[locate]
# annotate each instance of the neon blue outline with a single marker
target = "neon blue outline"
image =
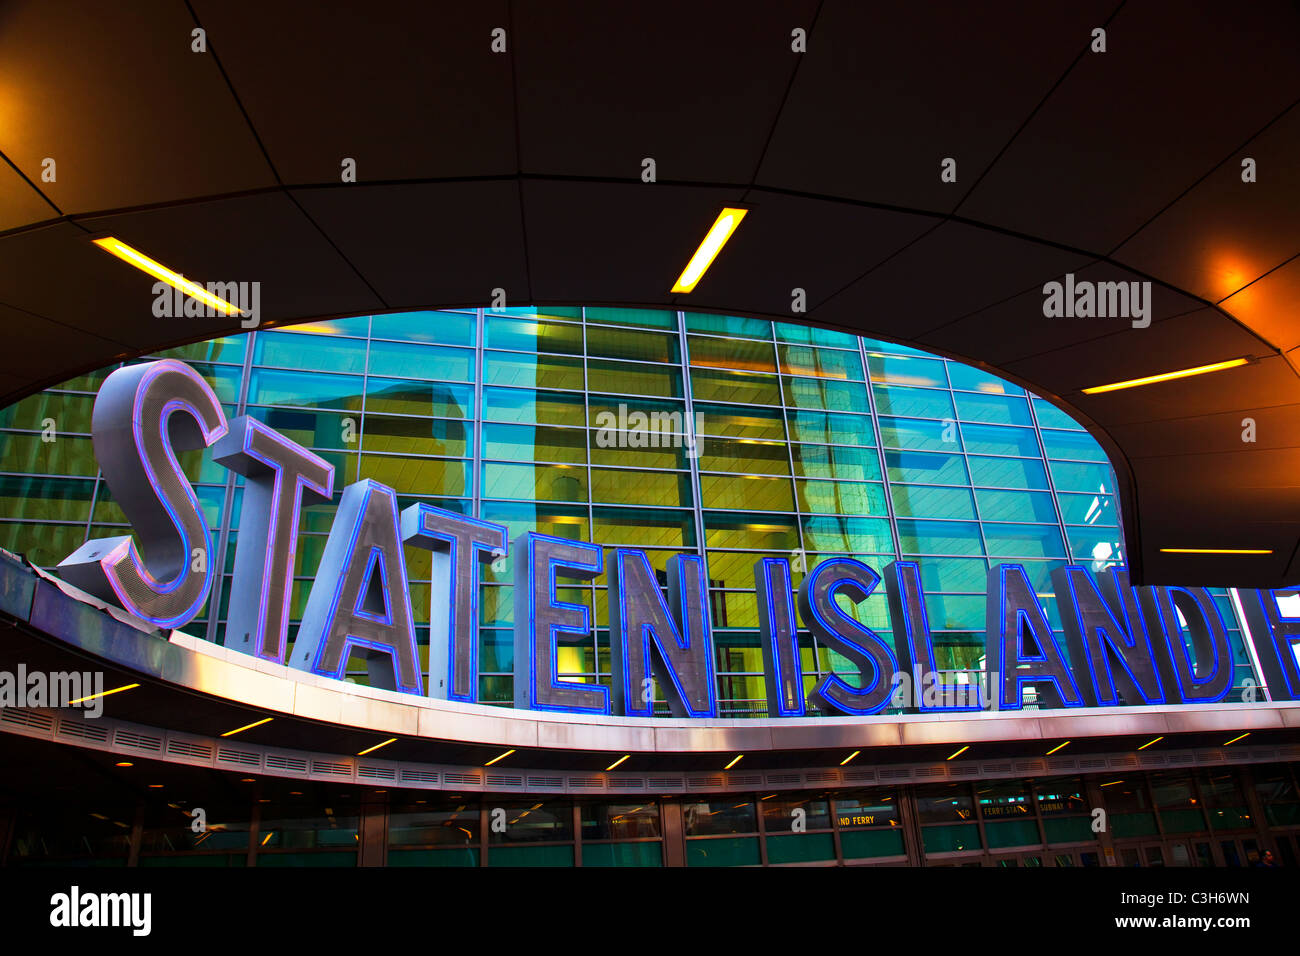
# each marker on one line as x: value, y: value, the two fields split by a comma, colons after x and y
x: 801, y: 707
x: 1100, y: 635
x: 1021, y: 657
x: 833, y: 679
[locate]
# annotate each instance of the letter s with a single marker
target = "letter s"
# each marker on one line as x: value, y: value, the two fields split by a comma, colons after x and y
x: 142, y: 414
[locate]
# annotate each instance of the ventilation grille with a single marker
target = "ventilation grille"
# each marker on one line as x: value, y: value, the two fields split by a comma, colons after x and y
x: 823, y: 776
x: 331, y: 768
x: 243, y: 758
x: 593, y: 782
x: 420, y: 776
x: 928, y: 773
x: 671, y: 783
x: 281, y: 762
x: 376, y: 773
x: 545, y: 781
x: 470, y: 778
x: 780, y: 779
x: 859, y: 775
x: 749, y: 780
x: 1209, y: 756
x: 504, y: 780
x: 1092, y: 763
x: 625, y: 783
x: 26, y: 718
x: 128, y: 738
x: 83, y: 731
x: 1124, y: 761
x: 964, y: 771
x: 703, y: 783
x: 902, y: 774
x: 1030, y: 766
x: 185, y: 748
x: 995, y: 768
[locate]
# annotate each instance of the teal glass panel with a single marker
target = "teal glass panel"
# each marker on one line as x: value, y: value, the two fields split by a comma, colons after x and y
x: 939, y: 537
x: 527, y: 405
x: 800, y: 847
x: 728, y: 325
x: 1096, y: 544
x: 894, y: 370
x: 828, y: 427
x: 928, y: 501
x: 835, y: 461
x: 540, y: 311
x: 528, y: 371
x: 865, y: 844
x: 1133, y: 824
x: 633, y: 346
x: 829, y: 394
x: 1071, y: 476
x: 1049, y: 416
x: 441, y: 328
x: 415, y: 360
x: 955, y: 611
x: 811, y: 335
x: 822, y: 363
x: 1000, y: 440
x: 1023, y: 541
x: 954, y: 574
x: 1015, y: 505
x: 430, y: 399
x: 924, y: 468
x: 995, y: 409
x: 1183, y: 821
x: 304, y: 389
x: 915, y: 433
x: 840, y: 497
x: 649, y: 853
x: 356, y: 327
x: 530, y: 856
x: 320, y: 352
x: 524, y: 335
x: 1008, y: 472
x: 1087, y: 509
x: 725, y: 851
x: 229, y: 350
x: 1068, y: 829
x: 330, y: 859
x: 1076, y: 445
x: 535, y: 443
x: 45, y: 499
x: 879, y: 345
x: 971, y: 379
x: 448, y: 856
x: 852, y: 535
x: 913, y: 402
x: 1001, y: 833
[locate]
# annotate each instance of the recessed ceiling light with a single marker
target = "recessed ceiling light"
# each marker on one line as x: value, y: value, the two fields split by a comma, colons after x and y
x: 714, y: 240
x: 1165, y: 376
x: 159, y: 271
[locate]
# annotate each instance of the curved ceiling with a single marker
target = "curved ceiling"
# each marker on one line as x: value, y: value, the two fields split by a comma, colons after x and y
x: 522, y: 170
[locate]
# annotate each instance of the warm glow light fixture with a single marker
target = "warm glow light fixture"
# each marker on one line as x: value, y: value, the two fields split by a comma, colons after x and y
x: 105, y: 693
x: 377, y: 746
x: 735, y: 760
x: 849, y: 757
x: 1235, y: 739
x: 1058, y: 747
x: 959, y: 752
x: 499, y: 757
x: 716, y: 238
x: 159, y: 271
x: 617, y: 762
x: 1150, y: 742
x: 1216, y: 550
x: 240, y: 730
x: 1165, y: 376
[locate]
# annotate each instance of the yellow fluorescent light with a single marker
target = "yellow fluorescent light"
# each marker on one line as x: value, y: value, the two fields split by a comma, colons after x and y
x: 618, y: 761
x: 1216, y: 550
x: 377, y: 746
x: 1058, y: 747
x: 1165, y: 376
x: 1235, y: 739
x: 716, y: 238
x: 1150, y: 742
x: 104, y: 693
x: 959, y: 752
x: 240, y: 730
x: 849, y: 757
x: 499, y: 757
x: 735, y: 760
x: 159, y: 271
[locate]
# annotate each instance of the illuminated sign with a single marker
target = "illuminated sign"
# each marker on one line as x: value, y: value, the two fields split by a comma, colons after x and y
x: 1121, y: 645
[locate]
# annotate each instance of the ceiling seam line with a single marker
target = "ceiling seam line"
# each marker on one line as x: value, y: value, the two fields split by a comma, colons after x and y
x: 36, y: 189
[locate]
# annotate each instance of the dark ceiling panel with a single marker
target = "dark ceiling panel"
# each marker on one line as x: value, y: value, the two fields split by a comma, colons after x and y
x: 1177, y: 90
x: 694, y: 86
x: 115, y: 96
x: 1271, y: 305
x: 887, y: 91
x: 410, y: 91
x: 575, y: 256
x: 1226, y: 233
x: 434, y: 244
x: 20, y: 203
x: 27, y: 353
x: 953, y: 271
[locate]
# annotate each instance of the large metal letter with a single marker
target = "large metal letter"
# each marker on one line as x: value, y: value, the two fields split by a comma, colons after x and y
x: 913, y: 640
x: 540, y: 616
x: 681, y: 658
x: 1100, y: 636
x: 832, y: 626
x: 281, y: 477
x: 779, y: 636
x: 459, y: 545
x: 360, y: 597
x: 1013, y: 616
x: 1203, y: 670
x: 141, y: 414
x: 1276, y: 637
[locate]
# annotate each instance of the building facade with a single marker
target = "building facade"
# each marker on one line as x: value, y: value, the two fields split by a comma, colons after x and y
x: 674, y: 432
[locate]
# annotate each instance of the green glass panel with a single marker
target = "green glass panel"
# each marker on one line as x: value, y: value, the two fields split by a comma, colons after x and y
x: 450, y: 856
x: 1002, y: 833
x: 535, y: 482
x: 1023, y: 540
x: 647, y: 318
x: 623, y: 854
x: 821, y: 363
x: 528, y: 371
x: 1008, y: 472
x: 1183, y: 821
x: 939, y: 537
x: 305, y: 389
x: 864, y: 844
x: 746, y: 493
x: 61, y: 412
x: 812, y: 335
x: 531, y: 856
x: 417, y: 436
x: 334, y: 859
x: 1000, y: 440
x: 1071, y: 476
x: 994, y: 409
x: 1133, y: 824
x: 418, y: 476
x: 726, y: 851
x: 919, y: 434
x: 840, y: 497
x: 636, y: 346
x: 430, y: 399
x: 829, y: 427
x: 627, y: 487
x: 847, y: 534
x: 746, y: 388
x: 68, y: 455
x: 829, y: 394
x: 947, y: 839
x: 737, y: 422
x: 745, y: 456
x: 835, y: 461
x: 45, y: 499
x: 1087, y: 509
x: 633, y: 378
x: 532, y: 335
x: 1068, y: 829
x: 45, y: 545
x: 800, y: 847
